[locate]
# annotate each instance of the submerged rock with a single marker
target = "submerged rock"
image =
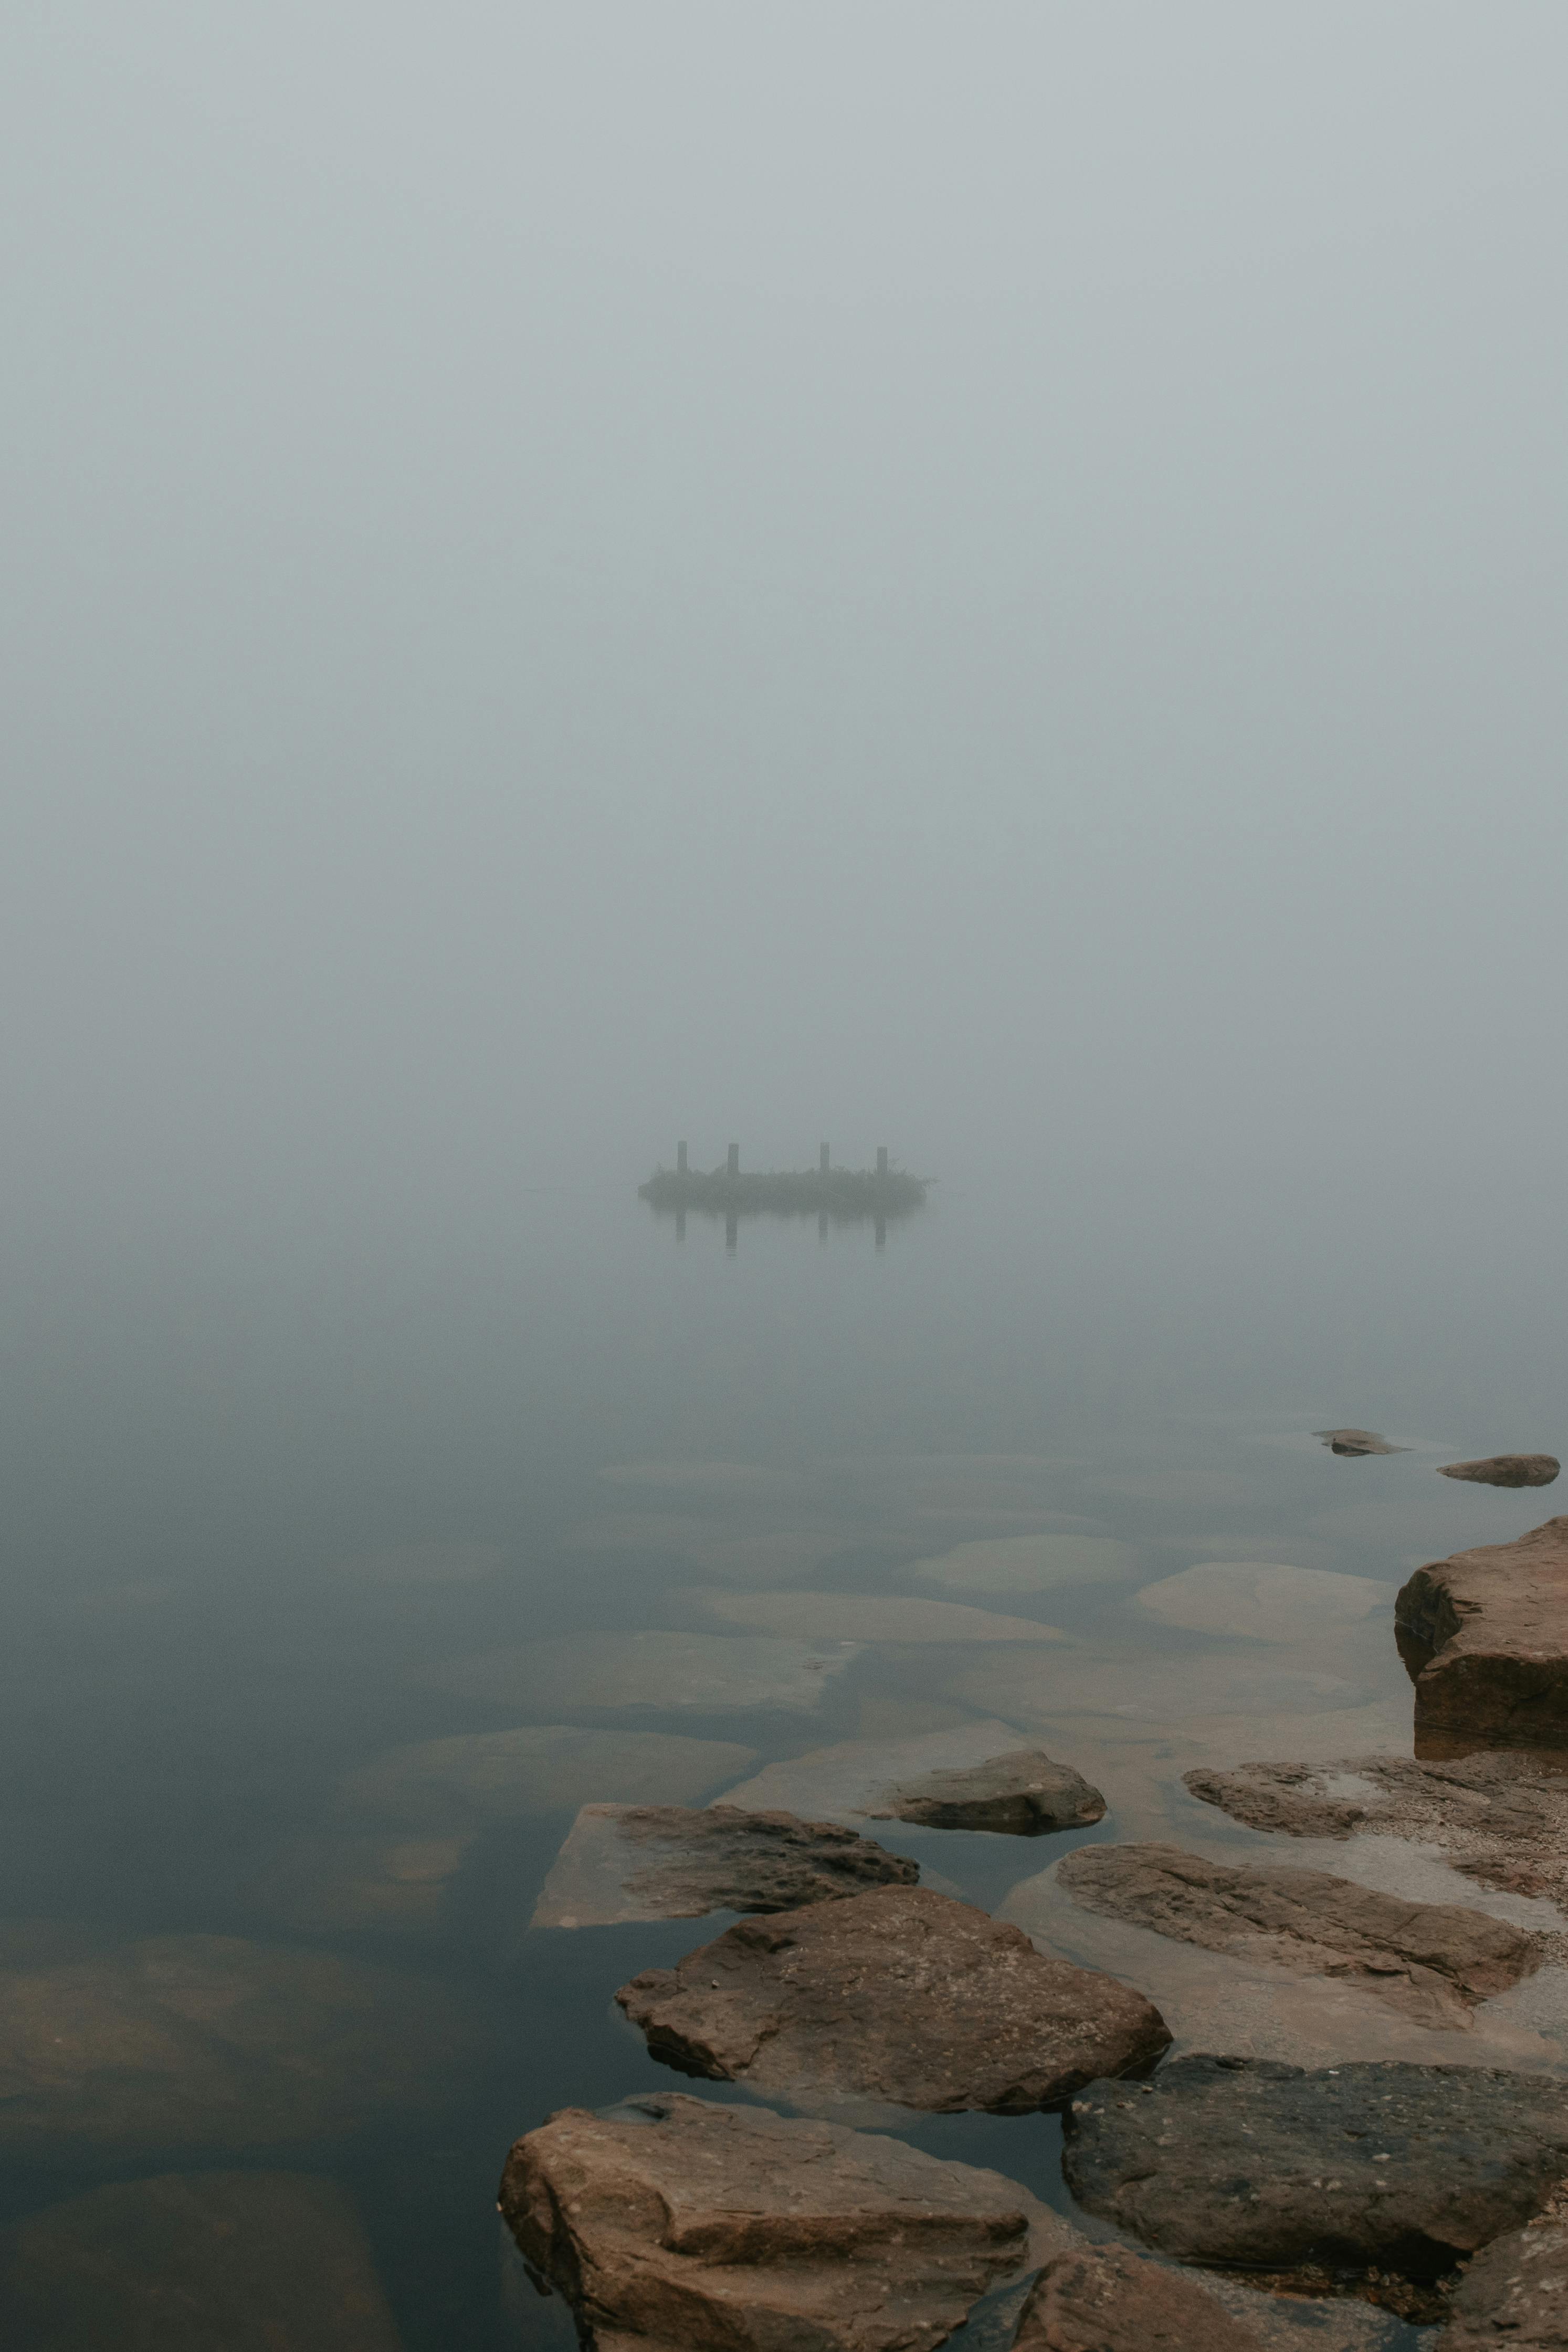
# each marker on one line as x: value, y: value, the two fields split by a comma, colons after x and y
x: 1342, y: 2169
x: 673, y: 2225
x: 1486, y: 1639
x: 255, y: 2262
x: 1357, y: 1442
x: 1108, y: 2299
x: 862, y: 1617
x: 972, y: 1776
x: 488, y: 1777
x: 211, y: 2041
x: 666, y: 1862
x: 391, y: 1883
x: 718, y: 1673
x: 1516, y: 2293
x: 1027, y: 1563
x: 1506, y: 1470
x: 902, y: 1995
x: 1262, y: 1600
x: 1432, y: 1960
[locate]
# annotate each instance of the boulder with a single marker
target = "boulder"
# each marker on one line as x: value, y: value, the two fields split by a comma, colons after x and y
x: 1356, y: 1442
x: 255, y: 2262
x: 671, y: 2224
x: 1432, y: 1960
x: 901, y: 1996
x: 973, y: 1776
x: 1516, y: 2292
x: 1506, y: 1470
x: 668, y: 1862
x: 1343, y: 2169
x: 1108, y: 2299
x: 1485, y: 1636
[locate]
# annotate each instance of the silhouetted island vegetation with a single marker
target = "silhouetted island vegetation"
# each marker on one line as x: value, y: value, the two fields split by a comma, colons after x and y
x: 842, y: 1195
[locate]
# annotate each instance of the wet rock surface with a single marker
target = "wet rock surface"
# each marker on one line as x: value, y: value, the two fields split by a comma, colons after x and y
x: 253, y: 2262
x: 1357, y: 1442
x: 1395, y: 2167
x: 210, y: 2040
x: 669, y: 1861
x: 1432, y: 1961
x: 674, y: 2225
x: 901, y: 1996
x: 1516, y: 2292
x: 976, y: 1775
x: 1108, y: 2299
x: 1485, y: 1636
x: 1020, y: 1794
x: 1502, y: 1818
x: 1506, y: 1470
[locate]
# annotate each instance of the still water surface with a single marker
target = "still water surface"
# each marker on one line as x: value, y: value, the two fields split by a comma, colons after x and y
x: 298, y: 1542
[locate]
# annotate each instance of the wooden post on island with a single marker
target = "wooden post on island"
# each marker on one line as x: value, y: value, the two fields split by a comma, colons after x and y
x: 882, y: 1159
x: 822, y: 1161
x: 680, y: 1159
x: 735, y: 1160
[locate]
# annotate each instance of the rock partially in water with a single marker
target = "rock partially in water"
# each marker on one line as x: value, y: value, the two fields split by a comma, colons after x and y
x: 488, y: 1777
x: 973, y: 1776
x: 1108, y: 2299
x: 1432, y: 1960
x: 1020, y: 1794
x: 901, y: 1996
x: 1506, y: 1470
x: 1356, y: 1442
x: 253, y: 2262
x: 212, y: 2041
x: 719, y: 1673
x: 1262, y: 1600
x: 1343, y: 2169
x: 673, y: 2225
x: 667, y: 1862
x: 1516, y: 2293
x: 1485, y: 1636
x: 1027, y: 1563
x: 862, y: 1617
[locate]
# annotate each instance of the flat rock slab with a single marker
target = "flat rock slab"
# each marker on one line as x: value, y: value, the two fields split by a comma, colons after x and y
x: 255, y: 2262
x: 673, y: 2225
x: 211, y: 2041
x: 483, y: 1778
x: 862, y: 1617
x: 976, y: 1776
x: 1486, y: 1636
x: 1108, y: 2299
x: 1501, y: 1819
x: 1506, y: 1470
x: 1516, y: 2292
x: 1338, y: 2170
x: 1432, y: 1960
x: 1027, y: 1563
x: 900, y: 1996
x: 667, y: 1862
x: 1356, y: 1442
x: 1262, y: 1600
x: 718, y: 1673
x: 394, y: 1883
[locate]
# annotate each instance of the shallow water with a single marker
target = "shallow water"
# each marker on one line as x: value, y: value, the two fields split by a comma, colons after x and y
x: 295, y: 1547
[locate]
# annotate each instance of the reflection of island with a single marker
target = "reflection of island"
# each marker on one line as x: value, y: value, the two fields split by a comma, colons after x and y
x: 834, y: 1196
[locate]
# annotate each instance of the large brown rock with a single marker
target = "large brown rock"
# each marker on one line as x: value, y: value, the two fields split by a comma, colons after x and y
x: 674, y: 2225
x: 1347, y: 2169
x: 673, y: 1862
x: 1108, y: 2299
x: 253, y: 2262
x: 902, y: 1995
x: 1516, y: 2293
x: 1432, y: 1960
x: 1020, y: 1794
x: 1486, y: 1636
x: 1506, y: 1470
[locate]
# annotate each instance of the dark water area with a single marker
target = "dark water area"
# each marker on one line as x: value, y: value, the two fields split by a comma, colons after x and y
x: 282, y: 1515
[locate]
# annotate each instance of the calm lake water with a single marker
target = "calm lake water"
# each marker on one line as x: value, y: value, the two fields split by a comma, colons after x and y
x: 280, y: 1519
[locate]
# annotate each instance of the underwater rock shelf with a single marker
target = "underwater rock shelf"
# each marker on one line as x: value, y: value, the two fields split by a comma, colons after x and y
x: 844, y: 1195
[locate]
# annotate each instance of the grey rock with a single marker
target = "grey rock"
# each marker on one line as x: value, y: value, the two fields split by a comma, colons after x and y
x: 669, y: 1861
x: 1516, y: 2292
x: 1338, y: 2170
x: 901, y: 1996
x: 1506, y: 1470
x: 1432, y: 1960
x: 1019, y: 1794
x: 1109, y: 2299
x: 674, y: 2225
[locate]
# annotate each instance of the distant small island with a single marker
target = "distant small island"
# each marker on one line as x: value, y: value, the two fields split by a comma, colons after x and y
x: 832, y: 1195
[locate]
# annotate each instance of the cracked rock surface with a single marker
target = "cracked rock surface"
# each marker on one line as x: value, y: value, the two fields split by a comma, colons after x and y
x: 1108, y: 2299
x: 674, y: 1862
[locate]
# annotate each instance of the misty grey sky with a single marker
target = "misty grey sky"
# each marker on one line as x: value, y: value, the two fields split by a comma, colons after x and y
x: 985, y: 578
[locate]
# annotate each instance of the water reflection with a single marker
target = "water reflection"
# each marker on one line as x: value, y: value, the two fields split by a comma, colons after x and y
x: 878, y: 1196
